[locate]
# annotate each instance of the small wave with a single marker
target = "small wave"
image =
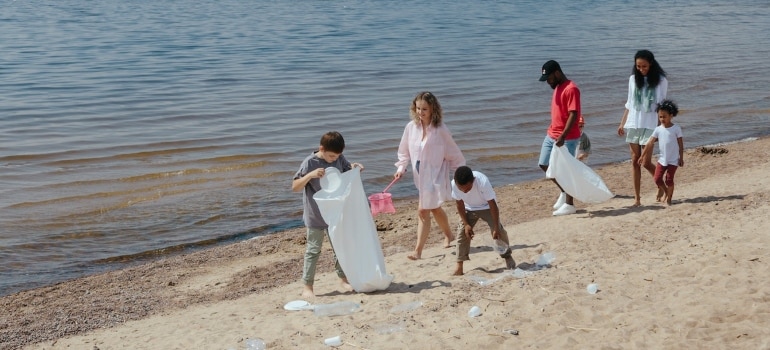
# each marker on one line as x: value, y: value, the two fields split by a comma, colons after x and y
x: 511, y: 157
x: 188, y: 247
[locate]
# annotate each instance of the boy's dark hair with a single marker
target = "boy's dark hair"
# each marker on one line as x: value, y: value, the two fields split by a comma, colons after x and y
x: 332, y: 141
x: 653, y: 76
x: 668, y: 106
x: 463, y: 175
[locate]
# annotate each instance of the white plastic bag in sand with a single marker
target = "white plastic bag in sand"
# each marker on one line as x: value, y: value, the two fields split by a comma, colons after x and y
x: 345, y: 208
x: 576, y: 178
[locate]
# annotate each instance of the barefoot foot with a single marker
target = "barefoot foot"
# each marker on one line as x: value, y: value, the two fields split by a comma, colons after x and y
x: 458, y: 269
x: 448, y: 240
x: 307, y: 292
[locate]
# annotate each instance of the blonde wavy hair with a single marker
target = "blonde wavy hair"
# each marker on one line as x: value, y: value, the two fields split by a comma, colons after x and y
x: 436, y: 115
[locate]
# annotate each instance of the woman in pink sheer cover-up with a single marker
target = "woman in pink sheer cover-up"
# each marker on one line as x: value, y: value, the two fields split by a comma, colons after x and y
x: 433, y: 154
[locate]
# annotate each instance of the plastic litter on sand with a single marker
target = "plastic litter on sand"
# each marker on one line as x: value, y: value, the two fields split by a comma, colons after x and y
x: 255, y: 344
x: 519, y: 273
x: 592, y: 288
x: 388, y: 328
x: 500, y: 246
x: 297, y: 305
x: 333, y: 341
x: 486, y: 281
x: 406, y: 307
x: 474, y: 311
x: 545, y: 259
x: 336, y: 309
x: 511, y: 331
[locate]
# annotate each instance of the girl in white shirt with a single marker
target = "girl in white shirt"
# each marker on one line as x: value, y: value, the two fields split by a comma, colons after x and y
x: 671, y: 150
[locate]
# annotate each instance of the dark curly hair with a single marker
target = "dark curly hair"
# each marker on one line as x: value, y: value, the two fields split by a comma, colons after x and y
x: 668, y: 106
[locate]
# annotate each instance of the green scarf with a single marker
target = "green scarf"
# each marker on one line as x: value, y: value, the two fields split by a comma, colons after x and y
x: 644, y: 97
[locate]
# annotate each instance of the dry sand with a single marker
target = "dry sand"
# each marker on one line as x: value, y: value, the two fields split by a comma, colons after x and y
x: 690, y: 276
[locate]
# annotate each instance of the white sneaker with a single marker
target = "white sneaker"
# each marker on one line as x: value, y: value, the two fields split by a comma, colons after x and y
x: 559, y: 202
x: 565, y: 209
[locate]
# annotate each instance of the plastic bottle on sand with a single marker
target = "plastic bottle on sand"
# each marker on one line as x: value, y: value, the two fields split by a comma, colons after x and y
x: 255, y: 344
x: 336, y: 309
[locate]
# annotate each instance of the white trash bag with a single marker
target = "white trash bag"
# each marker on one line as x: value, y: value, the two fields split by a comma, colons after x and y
x: 345, y: 208
x: 576, y: 178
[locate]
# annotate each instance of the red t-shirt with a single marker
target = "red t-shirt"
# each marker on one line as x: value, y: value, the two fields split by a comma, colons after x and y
x: 566, y: 97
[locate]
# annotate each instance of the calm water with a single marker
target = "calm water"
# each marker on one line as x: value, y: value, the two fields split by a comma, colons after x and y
x: 131, y: 130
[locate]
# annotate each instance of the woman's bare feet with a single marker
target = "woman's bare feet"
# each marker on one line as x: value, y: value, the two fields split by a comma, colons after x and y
x: 448, y: 240
x: 661, y: 195
x: 414, y: 256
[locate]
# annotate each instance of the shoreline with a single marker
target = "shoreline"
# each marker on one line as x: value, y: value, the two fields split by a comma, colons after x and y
x: 134, y: 259
x: 262, y: 265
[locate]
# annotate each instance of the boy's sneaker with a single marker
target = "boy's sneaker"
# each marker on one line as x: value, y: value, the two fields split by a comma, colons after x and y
x: 565, y: 209
x: 559, y: 202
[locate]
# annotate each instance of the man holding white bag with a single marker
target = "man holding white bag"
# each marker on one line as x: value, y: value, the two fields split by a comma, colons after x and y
x: 565, y: 109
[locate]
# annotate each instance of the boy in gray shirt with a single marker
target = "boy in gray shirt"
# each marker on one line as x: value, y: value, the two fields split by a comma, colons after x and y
x: 307, y: 180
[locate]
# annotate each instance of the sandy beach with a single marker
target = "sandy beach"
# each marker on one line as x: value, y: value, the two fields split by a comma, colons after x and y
x: 688, y: 276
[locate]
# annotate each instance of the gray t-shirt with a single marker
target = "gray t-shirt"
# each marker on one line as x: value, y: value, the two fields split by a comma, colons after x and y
x: 311, y: 215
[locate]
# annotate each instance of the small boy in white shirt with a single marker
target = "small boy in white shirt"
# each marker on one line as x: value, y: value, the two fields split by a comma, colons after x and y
x: 476, y: 199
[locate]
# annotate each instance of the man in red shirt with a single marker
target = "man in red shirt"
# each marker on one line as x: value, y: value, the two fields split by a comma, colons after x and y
x: 563, y: 131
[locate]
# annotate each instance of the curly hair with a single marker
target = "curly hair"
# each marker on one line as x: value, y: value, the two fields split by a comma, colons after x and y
x: 668, y: 106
